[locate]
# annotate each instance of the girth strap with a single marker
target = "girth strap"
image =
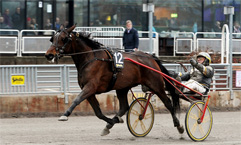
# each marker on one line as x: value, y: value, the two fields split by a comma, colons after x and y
x: 112, y: 81
x: 114, y: 76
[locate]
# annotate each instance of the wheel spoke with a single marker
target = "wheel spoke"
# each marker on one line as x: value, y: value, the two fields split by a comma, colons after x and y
x: 135, y: 112
x: 201, y: 129
x: 135, y: 123
x: 193, y: 116
x: 143, y: 127
x: 206, y: 119
x: 149, y: 115
x: 194, y: 127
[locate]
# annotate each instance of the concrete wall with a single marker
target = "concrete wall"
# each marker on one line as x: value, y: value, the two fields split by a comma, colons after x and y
x: 53, y: 105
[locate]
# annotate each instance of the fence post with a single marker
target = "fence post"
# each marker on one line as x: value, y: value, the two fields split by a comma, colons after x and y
x: 229, y: 10
x: 65, y: 75
x: 19, y: 53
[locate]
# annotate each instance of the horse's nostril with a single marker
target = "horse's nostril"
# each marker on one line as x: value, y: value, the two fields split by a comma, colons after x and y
x: 49, y: 56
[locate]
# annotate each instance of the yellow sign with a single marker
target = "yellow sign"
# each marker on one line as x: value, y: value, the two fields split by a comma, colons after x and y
x: 119, y: 65
x: 174, y: 15
x: 17, y: 80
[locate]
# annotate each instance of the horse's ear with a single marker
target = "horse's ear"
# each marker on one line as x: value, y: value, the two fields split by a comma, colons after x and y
x: 69, y: 30
x: 89, y: 35
x: 51, y: 39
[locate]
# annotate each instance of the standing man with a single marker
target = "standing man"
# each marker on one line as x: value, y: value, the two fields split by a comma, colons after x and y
x: 130, y: 38
x: 57, y: 23
x: 16, y: 19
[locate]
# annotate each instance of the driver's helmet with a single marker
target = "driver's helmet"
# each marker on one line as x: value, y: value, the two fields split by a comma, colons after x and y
x: 207, y: 57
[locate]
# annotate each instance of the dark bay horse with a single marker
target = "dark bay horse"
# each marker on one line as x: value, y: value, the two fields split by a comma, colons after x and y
x: 95, y: 74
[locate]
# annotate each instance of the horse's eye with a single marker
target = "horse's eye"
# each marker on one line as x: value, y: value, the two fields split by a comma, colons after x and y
x: 65, y: 40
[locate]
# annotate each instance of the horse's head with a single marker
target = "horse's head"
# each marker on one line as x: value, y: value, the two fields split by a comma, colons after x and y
x: 61, y: 44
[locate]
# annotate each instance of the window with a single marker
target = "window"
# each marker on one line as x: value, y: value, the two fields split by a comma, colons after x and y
x: 214, y: 18
x: 33, y: 15
x: 14, y: 17
x: 116, y: 12
x: 81, y: 12
x: 177, y: 15
x: 62, y: 14
x: 48, y: 15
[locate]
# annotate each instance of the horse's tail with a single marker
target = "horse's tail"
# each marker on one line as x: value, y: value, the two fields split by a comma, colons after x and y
x: 169, y: 87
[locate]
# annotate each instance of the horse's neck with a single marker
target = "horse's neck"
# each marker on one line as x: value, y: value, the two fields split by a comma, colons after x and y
x: 82, y: 59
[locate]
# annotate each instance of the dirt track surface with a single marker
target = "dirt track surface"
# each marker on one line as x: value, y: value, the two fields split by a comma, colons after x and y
x: 85, y: 130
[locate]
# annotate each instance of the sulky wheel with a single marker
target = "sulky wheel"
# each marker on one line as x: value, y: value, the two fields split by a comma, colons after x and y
x: 137, y: 125
x: 198, y: 131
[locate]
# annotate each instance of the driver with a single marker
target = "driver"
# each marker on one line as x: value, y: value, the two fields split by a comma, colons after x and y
x: 200, y: 77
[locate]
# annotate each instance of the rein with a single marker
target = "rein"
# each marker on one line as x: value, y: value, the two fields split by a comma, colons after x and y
x: 185, y: 69
x: 71, y: 54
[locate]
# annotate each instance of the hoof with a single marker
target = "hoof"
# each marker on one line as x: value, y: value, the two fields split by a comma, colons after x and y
x: 63, y: 118
x: 120, y: 119
x: 180, y: 129
x: 105, y: 131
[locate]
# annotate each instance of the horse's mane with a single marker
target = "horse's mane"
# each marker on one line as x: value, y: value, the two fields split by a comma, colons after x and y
x: 88, y: 41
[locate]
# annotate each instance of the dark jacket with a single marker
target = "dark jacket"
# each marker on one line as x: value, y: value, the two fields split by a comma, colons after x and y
x: 131, y: 39
x: 17, y: 21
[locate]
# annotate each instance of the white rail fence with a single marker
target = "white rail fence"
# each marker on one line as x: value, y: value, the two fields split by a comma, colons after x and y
x: 37, y: 41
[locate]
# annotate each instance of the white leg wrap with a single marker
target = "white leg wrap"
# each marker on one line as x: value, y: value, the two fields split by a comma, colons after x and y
x: 105, y: 131
x: 120, y: 119
x: 63, y: 118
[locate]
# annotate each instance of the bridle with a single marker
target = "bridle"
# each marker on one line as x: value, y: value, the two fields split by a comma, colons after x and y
x: 66, y: 41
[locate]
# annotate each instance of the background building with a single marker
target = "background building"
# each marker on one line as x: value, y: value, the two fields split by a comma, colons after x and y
x: 169, y: 15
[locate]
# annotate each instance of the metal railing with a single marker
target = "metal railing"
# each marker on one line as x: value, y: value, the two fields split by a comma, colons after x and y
x: 37, y: 41
x: 107, y: 34
x: 144, y: 41
x: 9, y: 42
x: 34, y: 43
x: 17, y: 79
x: 111, y: 42
x: 214, y: 42
x: 32, y: 79
x: 210, y: 41
x: 236, y: 43
x: 91, y: 29
x: 183, y: 43
x: 26, y: 41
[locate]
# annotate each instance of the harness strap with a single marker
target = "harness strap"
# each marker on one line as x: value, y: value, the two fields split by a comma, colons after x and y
x: 112, y: 81
x: 114, y: 76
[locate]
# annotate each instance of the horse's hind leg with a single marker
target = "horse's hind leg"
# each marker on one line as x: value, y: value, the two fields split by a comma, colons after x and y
x: 123, y: 101
x: 167, y: 102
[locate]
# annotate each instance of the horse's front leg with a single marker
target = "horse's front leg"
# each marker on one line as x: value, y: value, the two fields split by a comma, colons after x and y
x: 95, y: 105
x: 123, y: 107
x: 87, y: 91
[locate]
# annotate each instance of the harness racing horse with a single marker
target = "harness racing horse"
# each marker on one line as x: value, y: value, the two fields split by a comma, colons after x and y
x: 95, y: 75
